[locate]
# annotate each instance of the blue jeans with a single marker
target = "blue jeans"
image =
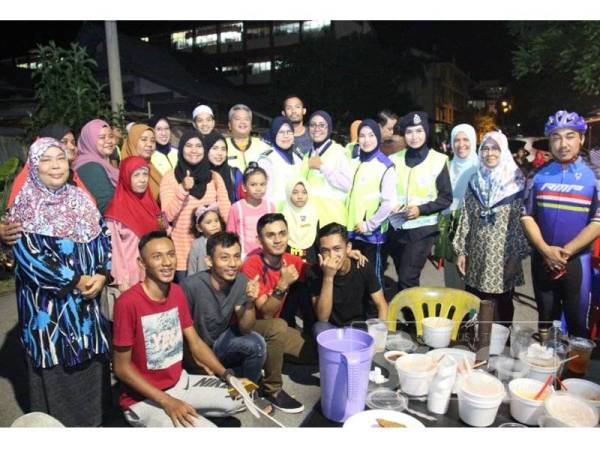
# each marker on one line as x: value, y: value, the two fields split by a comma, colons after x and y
x: 245, y: 353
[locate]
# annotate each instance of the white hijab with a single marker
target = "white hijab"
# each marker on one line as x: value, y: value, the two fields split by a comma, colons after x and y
x: 462, y: 169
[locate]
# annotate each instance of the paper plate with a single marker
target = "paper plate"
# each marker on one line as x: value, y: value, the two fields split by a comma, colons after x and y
x: 455, y: 353
x: 368, y: 419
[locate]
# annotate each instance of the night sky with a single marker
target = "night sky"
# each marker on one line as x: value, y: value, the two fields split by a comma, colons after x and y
x: 480, y: 48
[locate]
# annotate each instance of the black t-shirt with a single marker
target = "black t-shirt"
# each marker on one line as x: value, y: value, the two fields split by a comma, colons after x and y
x: 351, y: 292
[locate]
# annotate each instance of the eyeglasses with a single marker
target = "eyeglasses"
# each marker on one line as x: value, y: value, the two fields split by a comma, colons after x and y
x: 285, y: 133
x: 318, y: 126
x: 490, y: 150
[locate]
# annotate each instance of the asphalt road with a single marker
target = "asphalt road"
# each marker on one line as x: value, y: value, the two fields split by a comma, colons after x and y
x: 299, y: 381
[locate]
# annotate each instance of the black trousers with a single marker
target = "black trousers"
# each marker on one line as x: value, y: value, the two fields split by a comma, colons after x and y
x: 570, y: 293
x: 503, y: 304
x: 410, y: 256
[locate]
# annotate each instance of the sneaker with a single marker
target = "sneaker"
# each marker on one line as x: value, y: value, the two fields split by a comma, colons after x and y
x: 282, y: 401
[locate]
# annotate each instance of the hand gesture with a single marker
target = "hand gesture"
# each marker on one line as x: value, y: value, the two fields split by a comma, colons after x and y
x: 359, y: 257
x: 188, y: 181
x: 314, y: 162
x: 556, y: 257
x: 10, y: 233
x: 461, y: 264
x: 180, y: 412
x: 92, y: 286
x: 412, y: 212
x: 252, y: 289
x: 329, y: 265
x: 289, y: 275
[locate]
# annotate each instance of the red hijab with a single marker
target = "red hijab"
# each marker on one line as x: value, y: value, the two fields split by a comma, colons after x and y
x: 139, y: 212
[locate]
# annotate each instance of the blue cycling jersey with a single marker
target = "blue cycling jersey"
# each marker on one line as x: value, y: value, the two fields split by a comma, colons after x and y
x: 562, y: 199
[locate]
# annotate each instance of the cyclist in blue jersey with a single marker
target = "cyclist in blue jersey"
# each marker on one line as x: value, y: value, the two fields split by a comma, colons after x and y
x: 561, y: 218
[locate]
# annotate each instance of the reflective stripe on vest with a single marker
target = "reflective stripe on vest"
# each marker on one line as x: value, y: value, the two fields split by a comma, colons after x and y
x: 241, y: 159
x: 281, y: 173
x: 416, y: 185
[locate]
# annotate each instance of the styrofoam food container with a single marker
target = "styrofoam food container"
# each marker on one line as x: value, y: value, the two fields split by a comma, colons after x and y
x: 569, y: 410
x: 415, y: 373
x: 523, y: 409
x: 392, y: 356
x: 537, y: 372
x: 584, y: 389
x: 479, y: 398
x: 437, y: 331
x: 498, y: 338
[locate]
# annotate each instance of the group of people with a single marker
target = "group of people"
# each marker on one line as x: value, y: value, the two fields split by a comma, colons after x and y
x: 218, y: 259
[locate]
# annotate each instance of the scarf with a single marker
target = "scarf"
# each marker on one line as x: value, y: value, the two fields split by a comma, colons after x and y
x: 462, y: 169
x: 302, y: 222
x: 208, y: 140
x: 491, y: 186
x: 374, y: 127
x: 200, y: 172
x: 139, y: 212
x: 130, y: 149
x: 66, y: 213
x: 87, y: 152
x: 162, y: 148
x: 327, y: 118
x: 287, y: 153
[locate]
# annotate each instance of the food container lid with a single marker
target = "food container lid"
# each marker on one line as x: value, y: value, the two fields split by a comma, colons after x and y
x: 384, y: 398
x: 401, y: 342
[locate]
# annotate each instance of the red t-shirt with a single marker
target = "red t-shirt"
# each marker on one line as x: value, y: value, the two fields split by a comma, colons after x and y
x: 153, y: 330
x: 268, y: 276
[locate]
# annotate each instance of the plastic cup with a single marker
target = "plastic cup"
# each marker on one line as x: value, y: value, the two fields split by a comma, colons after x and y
x: 378, y: 330
x: 583, y: 349
x: 498, y: 339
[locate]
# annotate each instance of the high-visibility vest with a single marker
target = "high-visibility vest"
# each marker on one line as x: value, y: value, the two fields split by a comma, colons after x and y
x: 329, y: 201
x: 164, y: 163
x: 280, y: 172
x: 365, y: 196
x: 241, y: 159
x: 417, y: 185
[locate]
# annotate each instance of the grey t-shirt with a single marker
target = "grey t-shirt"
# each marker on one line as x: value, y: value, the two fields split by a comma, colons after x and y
x: 211, y: 310
x: 196, y: 262
x: 304, y: 142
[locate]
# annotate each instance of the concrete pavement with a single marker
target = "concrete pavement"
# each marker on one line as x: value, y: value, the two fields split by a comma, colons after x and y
x: 299, y: 381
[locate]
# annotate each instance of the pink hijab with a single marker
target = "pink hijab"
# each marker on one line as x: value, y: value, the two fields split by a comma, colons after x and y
x: 87, y: 152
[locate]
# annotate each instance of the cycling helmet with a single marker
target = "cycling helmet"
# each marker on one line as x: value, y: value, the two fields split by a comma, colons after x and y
x: 564, y: 119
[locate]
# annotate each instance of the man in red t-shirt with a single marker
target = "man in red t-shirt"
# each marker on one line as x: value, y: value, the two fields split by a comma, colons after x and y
x: 151, y: 321
x: 277, y: 271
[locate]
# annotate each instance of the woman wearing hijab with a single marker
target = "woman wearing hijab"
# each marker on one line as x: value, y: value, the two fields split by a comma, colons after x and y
x: 462, y: 167
x: 165, y: 156
x: 62, y: 262
x: 131, y: 213
x: 141, y: 142
x: 95, y: 146
x: 215, y: 145
x: 372, y: 195
x: 66, y: 137
x: 192, y: 184
x: 326, y: 170
x: 282, y: 162
x: 423, y: 191
x: 302, y: 219
x: 352, y: 146
x: 489, y: 241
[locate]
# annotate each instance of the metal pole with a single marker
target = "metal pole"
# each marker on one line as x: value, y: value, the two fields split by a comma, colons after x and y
x: 114, y: 65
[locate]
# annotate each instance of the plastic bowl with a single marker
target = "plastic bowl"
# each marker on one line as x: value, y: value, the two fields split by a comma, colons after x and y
x: 584, y: 389
x: 522, y: 405
x: 437, y: 331
x: 415, y: 373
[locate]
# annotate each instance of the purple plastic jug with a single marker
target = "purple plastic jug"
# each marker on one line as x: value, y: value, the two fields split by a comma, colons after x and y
x: 345, y: 356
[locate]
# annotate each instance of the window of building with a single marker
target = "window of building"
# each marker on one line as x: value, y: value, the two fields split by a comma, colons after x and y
x: 206, y: 36
x: 232, y: 32
x: 145, y: 39
x: 257, y: 32
x: 313, y: 26
x: 231, y: 70
x: 259, y: 67
x: 286, y: 28
x: 182, y: 39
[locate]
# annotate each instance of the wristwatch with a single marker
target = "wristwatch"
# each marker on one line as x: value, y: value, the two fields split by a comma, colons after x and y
x: 278, y: 293
x: 226, y: 374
